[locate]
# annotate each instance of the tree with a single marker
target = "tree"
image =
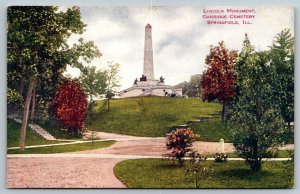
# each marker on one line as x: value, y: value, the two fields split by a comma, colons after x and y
x: 191, y: 88
x: 184, y: 85
x: 256, y: 117
x: 113, y: 79
x: 218, y: 81
x: 194, y: 86
x: 93, y: 81
x: 38, y: 52
x: 282, y: 56
x: 69, y: 106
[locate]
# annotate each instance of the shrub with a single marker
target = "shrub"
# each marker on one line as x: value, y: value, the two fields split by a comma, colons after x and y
x: 69, y: 106
x: 180, y: 141
x: 257, y: 136
x: 196, y: 168
x: 220, y: 157
x: 142, y: 106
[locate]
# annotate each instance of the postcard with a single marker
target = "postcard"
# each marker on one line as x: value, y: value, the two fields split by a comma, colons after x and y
x: 150, y: 97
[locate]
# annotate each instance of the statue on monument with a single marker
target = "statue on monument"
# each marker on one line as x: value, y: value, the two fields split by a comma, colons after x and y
x: 161, y: 79
x: 143, y: 78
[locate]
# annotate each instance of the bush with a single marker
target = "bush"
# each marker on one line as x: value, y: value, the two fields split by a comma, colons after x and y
x: 220, y: 157
x: 69, y: 106
x: 257, y: 136
x: 180, y: 141
x: 196, y: 168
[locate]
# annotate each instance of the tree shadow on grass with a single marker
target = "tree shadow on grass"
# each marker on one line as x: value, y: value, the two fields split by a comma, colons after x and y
x: 243, y: 174
x: 168, y: 163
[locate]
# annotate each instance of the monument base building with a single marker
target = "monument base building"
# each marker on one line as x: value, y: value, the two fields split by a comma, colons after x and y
x: 150, y: 88
x: 147, y: 85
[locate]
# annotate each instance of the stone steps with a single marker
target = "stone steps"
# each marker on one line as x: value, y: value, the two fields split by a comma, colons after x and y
x: 197, y: 121
x: 39, y: 130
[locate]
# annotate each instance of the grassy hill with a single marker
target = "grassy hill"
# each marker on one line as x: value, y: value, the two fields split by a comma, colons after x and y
x: 149, y: 116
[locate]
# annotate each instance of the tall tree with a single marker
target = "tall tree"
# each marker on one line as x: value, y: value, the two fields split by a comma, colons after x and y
x: 94, y: 83
x: 282, y: 56
x: 218, y: 81
x: 113, y: 80
x: 259, y: 127
x: 38, y: 50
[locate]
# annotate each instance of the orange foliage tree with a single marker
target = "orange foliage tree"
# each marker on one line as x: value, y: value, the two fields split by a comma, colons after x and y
x: 69, y: 106
x: 219, y: 80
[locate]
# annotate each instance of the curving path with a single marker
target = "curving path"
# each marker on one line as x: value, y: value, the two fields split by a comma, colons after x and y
x: 91, y: 168
x: 62, y: 172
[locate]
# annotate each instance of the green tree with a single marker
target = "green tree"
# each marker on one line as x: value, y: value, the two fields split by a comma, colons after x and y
x: 259, y: 127
x: 191, y: 88
x: 184, y: 85
x: 194, y: 86
x: 113, y: 81
x: 38, y: 52
x: 282, y: 56
x: 93, y: 81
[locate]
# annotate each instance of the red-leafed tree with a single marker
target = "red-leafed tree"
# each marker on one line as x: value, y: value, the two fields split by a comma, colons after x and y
x: 69, y: 106
x: 218, y: 81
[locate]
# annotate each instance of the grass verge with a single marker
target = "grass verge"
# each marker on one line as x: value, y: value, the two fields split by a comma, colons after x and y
x: 64, y: 148
x: 156, y: 173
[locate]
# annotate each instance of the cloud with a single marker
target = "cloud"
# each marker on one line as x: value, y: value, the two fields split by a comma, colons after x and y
x: 181, y: 38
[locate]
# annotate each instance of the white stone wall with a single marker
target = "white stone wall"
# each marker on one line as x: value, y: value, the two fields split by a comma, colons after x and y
x: 147, y: 83
x: 161, y: 92
x: 131, y: 93
x: 158, y: 91
x: 179, y: 91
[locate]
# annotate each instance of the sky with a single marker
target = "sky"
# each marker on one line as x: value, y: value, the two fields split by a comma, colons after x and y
x: 181, y: 37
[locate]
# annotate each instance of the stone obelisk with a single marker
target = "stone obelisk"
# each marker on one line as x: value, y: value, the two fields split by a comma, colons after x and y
x: 148, y: 54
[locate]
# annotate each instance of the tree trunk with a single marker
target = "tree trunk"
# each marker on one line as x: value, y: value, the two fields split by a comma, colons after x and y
x: 108, y: 107
x: 223, y: 112
x: 33, y: 103
x: 256, y: 166
x: 21, y: 89
x: 25, y: 113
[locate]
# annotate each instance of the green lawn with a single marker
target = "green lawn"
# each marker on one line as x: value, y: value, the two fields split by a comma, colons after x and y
x: 213, y: 130
x: 157, y: 173
x: 126, y: 116
x: 14, y: 135
x: 64, y: 148
x: 277, y: 154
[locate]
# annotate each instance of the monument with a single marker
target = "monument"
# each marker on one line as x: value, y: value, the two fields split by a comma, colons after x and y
x: 147, y: 85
